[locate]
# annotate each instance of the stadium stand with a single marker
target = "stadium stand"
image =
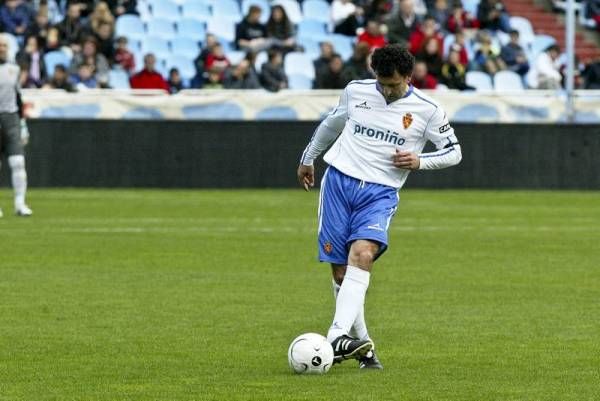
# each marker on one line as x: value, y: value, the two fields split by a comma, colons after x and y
x: 176, y: 30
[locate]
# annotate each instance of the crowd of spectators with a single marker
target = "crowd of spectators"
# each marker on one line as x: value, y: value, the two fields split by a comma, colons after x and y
x: 87, y: 30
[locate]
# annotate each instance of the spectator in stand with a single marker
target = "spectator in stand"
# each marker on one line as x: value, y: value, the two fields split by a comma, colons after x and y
x: 281, y: 29
x: 15, y: 17
x: 250, y: 34
x: 39, y: 27
x: 327, y: 52
x: 358, y: 65
x: 461, y: 19
x: 123, y: 57
x: 60, y: 80
x: 346, y: 16
x: 104, y: 38
x: 98, y: 61
x: 487, y: 56
x: 241, y: 76
x: 373, y: 35
x: 492, y: 15
x: 402, y: 24
x: 330, y: 76
x: 421, y: 78
x: 545, y: 73
x: 378, y: 10
x: 175, y: 82
x: 272, y: 75
x: 120, y: 7
x: 427, y: 29
x: 86, y: 7
x: 71, y: 28
x: 591, y: 10
x: 31, y: 61
x: 591, y: 76
x: 431, y: 56
x: 101, y: 15
x: 213, y: 80
x: 454, y: 73
x: 216, y: 61
x: 53, y: 41
x: 209, y: 43
x: 148, y: 78
x: 514, y: 56
x: 85, y: 79
x: 441, y: 12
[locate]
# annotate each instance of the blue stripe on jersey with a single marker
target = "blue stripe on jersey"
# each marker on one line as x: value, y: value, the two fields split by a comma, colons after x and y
x: 425, y: 100
x: 441, y: 154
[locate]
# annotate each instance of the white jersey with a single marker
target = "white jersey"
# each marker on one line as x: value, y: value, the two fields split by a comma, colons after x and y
x: 372, y: 131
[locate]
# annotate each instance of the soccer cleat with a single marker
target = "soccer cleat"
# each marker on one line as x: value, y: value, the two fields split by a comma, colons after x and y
x: 370, y: 361
x: 346, y: 347
x: 24, y: 211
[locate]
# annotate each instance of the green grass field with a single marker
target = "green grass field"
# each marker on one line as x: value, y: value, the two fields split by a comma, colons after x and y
x: 196, y: 295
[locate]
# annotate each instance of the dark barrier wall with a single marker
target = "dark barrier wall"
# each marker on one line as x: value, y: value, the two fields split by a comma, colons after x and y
x: 102, y: 153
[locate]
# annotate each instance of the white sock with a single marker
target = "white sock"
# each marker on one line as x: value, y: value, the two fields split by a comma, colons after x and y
x: 19, y: 179
x: 359, y: 328
x: 349, y: 302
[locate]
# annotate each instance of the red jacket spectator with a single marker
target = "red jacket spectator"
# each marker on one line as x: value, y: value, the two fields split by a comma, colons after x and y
x: 460, y: 19
x: 148, y: 78
x: 373, y: 36
x: 421, y: 79
x: 426, y: 30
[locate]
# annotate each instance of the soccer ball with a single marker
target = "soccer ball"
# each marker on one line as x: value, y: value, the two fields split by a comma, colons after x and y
x: 310, y: 353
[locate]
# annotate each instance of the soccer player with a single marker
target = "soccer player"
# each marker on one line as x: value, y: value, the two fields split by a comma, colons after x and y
x: 13, y: 130
x: 380, y: 128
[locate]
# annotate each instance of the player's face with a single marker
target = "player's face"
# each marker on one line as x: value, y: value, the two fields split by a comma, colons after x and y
x: 394, y: 87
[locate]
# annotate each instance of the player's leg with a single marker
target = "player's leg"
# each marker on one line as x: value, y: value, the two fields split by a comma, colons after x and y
x: 359, y: 328
x: 16, y: 162
x: 350, y: 301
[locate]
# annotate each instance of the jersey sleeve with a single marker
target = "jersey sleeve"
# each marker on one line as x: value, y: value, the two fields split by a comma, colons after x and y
x: 441, y: 134
x: 327, y: 131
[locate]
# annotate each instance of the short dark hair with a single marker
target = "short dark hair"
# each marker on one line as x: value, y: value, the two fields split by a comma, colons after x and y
x: 392, y: 58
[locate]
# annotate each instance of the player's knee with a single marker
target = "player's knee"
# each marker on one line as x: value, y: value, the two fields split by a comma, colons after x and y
x: 363, y: 255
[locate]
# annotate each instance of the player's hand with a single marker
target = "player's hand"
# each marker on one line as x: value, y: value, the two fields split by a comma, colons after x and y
x: 306, y: 176
x: 406, y: 160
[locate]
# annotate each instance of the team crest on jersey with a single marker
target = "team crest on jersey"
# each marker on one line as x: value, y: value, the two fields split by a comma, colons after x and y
x: 407, y: 120
x: 327, y: 247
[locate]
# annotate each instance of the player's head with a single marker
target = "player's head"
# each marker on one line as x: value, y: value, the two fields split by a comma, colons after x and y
x: 393, y: 66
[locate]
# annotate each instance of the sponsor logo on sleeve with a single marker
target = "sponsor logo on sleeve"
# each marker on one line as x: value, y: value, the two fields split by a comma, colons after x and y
x: 444, y: 128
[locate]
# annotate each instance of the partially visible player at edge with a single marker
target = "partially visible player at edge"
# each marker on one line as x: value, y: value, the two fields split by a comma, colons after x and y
x: 381, y: 126
x: 13, y: 129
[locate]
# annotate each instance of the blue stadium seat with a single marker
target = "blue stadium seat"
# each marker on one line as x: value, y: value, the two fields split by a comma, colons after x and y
x: 228, y: 9
x: 143, y: 113
x: 235, y: 56
x: 317, y: 10
x: 263, y: 4
x: 192, y: 29
x: 196, y: 10
x: 54, y: 58
x: 312, y: 29
x: 471, y: 6
x: 184, y: 46
x: 476, y: 112
x: 223, y: 28
x: 507, y: 81
x: 523, y: 25
x: 185, y: 65
x: 161, y: 28
x: 118, y: 79
x: 343, y: 45
x: 479, y: 80
x: 299, y: 81
x: 311, y: 46
x: 165, y: 9
x: 157, y: 46
x: 292, y: 9
x: 130, y: 26
x: 277, y: 113
x: 299, y: 63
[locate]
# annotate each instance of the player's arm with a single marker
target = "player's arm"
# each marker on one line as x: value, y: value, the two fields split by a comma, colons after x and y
x: 441, y: 134
x: 324, y: 135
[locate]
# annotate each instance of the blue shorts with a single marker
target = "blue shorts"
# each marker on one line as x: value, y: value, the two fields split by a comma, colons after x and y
x: 349, y: 210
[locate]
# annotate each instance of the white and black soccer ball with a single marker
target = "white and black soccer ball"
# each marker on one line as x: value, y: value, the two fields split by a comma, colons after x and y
x: 310, y: 353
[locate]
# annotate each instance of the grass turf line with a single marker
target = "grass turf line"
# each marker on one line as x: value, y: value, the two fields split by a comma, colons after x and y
x: 195, y: 295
